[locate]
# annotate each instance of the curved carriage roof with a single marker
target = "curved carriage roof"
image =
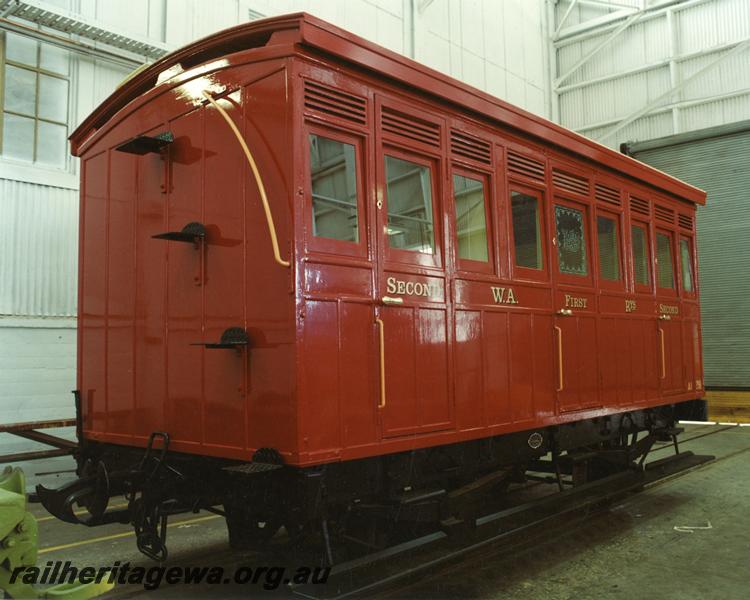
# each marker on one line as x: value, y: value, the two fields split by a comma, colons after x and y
x: 309, y: 31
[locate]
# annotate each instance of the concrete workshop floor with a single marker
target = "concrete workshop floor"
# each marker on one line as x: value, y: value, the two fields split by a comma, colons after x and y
x: 632, y: 550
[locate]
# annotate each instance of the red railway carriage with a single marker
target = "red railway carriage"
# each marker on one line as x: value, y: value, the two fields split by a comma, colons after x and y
x: 407, y: 263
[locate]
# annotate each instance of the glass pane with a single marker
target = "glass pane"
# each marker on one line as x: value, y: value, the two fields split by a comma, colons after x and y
x: 409, y: 189
x: 640, y: 256
x: 18, y: 137
x: 52, y: 58
x: 609, y: 248
x: 53, y: 98
x: 526, y: 231
x: 687, y: 266
x: 665, y: 268
x: 471, y: 224
x: 19, y: 48
x: 52, y: 146
x: 20, y: 90
x: 333, y: 169
x: 571, y: 241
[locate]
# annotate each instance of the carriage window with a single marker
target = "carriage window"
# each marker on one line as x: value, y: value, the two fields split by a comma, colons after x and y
x: 687, y: 265
x: 640, y: 255
x: 665, y: 268
x: 333, y: 170
x: 609, y: 248
x: 571, y: 241
x: 527, y: 237
x: 471, y: 224
x: 409, y: 189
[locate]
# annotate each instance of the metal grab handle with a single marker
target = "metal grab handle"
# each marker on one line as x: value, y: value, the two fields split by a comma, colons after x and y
x: 665, y: 317
x: 565, y: 312
x: 663, y: 359
x: 392, y: 300
x: 381, y: 336
x: 258, y: 180
x: 559, y: 359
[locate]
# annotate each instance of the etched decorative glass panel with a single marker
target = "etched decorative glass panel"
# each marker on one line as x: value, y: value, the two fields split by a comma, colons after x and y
x: 410, y: 221
x: 527, y: 237
x: 333, y: 171
x: 571, y: 241
x: 640, y: 255
x: 664, y: 264
x: 471, y: 222
x: 687, y: 266
x: 609, y: 248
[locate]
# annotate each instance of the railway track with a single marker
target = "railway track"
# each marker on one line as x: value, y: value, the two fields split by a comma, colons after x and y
x: 525, y: 525
x: 502, y: 531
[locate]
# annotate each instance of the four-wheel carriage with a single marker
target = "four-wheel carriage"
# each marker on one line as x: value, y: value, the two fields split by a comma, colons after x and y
x: 318, y: 279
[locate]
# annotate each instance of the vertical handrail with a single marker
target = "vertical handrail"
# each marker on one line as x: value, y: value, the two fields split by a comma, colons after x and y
x: 663, y: 357
x: 381, y: 337
x: 258, y: 180
x: 561, y: 383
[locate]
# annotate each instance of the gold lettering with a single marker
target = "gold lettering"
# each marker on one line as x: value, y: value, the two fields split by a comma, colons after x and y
x: 668, y: 309
x: 575, y: 302
x: 410, y: 288
x: 503, y: 295
x: 630, y: 306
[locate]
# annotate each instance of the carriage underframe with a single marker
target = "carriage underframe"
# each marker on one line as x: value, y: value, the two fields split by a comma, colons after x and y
x: 340, y: 508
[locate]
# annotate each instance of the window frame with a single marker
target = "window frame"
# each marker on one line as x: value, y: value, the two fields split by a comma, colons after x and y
x: 467, y: 264
x: 662, y: 291
x: 611, y: 284
x: 38, y: 71
x: 517, y: 271
x: 330, y: 245
x: 400, y: 255
x: 592, y: 264
x: 691, y: 253
x: 642, y: 288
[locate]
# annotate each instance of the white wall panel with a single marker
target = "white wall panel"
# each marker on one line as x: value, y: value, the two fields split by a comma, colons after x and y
x: 38, y: 249
x: 37, y: 373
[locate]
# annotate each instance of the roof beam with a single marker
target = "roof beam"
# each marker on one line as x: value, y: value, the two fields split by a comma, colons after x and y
x: 672, y: 91
x: 565, y: 16
x: 70, y: 23
x: 594, y: 51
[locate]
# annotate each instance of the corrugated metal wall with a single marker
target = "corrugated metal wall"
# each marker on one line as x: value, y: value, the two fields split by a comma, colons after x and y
x: 661, y: 48
x: 38, y: 250
x: 719, y: 165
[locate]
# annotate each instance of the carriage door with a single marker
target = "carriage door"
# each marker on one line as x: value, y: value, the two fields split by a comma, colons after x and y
x: 411, y: 303
x: 669, y: 326
x: 575, y: 306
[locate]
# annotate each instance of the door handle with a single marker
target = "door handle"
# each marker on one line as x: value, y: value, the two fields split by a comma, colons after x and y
x: 381, y: 337
x: 392, y: 300
x: 665, y: 317
x: 663, y: 357
x: 565, y: 312
x: 561, y: 383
